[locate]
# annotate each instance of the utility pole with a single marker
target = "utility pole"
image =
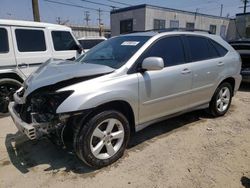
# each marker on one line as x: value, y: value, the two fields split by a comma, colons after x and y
x: 99, y: 22
x: 221, y: 10
x: 245, y: 5
x: 35, y: 8
x: 86, y: 18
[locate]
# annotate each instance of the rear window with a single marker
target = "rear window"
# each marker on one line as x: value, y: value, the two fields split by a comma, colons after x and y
x: 63, y: 40
x: 30, y: 40
x: 88, y: 44
x: 4, y: 45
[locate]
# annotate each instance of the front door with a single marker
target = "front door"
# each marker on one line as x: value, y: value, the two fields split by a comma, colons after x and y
x: 165, y: 91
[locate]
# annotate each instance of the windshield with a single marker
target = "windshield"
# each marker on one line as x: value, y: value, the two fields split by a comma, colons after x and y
x: 87, y: 44
x: 114, y: 52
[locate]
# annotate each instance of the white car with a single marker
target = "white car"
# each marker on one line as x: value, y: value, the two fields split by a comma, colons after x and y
x: 24, y: 46
x: 89, y: 42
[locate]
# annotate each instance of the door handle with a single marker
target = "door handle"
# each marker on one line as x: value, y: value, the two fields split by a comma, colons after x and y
x: 186, y: 71
x: 220, y: 64
x: 23, y: 65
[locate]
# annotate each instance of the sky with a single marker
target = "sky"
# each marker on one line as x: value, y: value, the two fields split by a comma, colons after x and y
x: 50, y: 12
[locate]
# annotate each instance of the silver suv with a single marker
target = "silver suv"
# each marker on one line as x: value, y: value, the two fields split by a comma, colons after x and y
x: 122, y: 85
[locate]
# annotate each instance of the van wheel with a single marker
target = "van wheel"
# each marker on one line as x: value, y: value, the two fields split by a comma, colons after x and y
x: 103, y: 139
x: 221, y: 100
x: 7, y: 88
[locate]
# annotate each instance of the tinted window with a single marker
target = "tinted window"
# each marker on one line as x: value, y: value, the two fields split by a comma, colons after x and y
x: 170, y: 49
x: 63, y: 40
x: 212, y: 50
x: 126, y: 26
x: 198, y: 48
x: 220, y: 49
x: 4, y: 45
x: 30, y: 40
x: 87, y: 44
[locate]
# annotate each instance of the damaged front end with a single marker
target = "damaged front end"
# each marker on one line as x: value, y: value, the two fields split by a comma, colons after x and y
x: 37, y: 117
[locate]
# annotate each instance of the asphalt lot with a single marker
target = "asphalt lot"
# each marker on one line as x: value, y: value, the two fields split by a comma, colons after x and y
x: 192, y: 150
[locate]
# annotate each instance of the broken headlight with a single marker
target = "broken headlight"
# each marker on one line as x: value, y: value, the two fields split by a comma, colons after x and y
x: 44, y: 106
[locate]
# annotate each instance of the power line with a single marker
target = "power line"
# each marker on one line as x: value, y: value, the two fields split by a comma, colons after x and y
x: 102, y: 4
x: 121, y: 3
x: 74, y: 5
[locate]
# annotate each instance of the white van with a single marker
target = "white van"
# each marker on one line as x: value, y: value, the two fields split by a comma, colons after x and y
x: 24, y: 46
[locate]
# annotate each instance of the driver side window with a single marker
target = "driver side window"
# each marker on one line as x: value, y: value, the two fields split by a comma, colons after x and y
x: 170, y: 49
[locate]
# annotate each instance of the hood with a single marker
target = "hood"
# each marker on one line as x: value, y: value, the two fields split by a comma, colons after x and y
x: 57, y: 71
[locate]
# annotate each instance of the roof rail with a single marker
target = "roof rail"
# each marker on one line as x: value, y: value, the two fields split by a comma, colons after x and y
x: 174, y: 29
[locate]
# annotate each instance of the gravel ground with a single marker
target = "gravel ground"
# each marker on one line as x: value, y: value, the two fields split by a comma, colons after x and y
x: 192, y: 150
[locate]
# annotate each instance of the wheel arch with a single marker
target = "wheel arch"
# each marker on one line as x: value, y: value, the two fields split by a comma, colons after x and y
x: 229, y: 80
x: 12, y: 75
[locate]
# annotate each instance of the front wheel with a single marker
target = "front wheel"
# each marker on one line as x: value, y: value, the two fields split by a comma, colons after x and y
x: 221, y: 100
x: 7, y: 88
x: 103, y: 139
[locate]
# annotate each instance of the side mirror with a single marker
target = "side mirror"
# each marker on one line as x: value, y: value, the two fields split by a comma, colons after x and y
x: 152, y: 63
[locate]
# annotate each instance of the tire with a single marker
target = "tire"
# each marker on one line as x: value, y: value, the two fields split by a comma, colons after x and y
x: 103, y: 139
x: 221, y: 100
x: 7, y: 88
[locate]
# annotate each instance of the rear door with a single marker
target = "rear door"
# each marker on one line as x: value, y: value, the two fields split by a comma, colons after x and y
x: 165, y: 91
x: 7, y: 55
x: 206, y: 65
x: 64, y: 45
x: 31, y: 48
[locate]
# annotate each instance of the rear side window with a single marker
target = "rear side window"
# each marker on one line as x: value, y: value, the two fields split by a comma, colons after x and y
x: 170, y: 49
x: 4, y: 45
x: 63, y: 40
x: 220, y: 49
x: 30, y: 40
x: 198, y: 48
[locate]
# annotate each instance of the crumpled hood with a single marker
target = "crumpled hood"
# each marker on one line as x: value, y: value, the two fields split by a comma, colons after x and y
x: 55, y: 71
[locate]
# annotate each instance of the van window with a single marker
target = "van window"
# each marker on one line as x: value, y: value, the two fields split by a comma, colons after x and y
x: 170, y: 49
x: 30, y: 40
x: 4, y: 45
x: 63, y: 40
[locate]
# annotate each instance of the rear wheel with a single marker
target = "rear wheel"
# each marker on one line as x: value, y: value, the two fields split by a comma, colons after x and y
x: 7, y: 88
x: 221, y: 100
x: 103, y: 139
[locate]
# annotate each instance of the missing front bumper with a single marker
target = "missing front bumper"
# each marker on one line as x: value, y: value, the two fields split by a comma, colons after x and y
x: 30, y: 130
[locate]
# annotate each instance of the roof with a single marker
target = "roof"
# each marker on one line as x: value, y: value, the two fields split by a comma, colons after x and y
x: 242, y: 14
x: 31, y: 24
x: 164, y: 9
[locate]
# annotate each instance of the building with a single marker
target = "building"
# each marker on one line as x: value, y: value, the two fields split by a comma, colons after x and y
x: 147, y: 17
x: 239, y: 27
x: 81, y: 31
